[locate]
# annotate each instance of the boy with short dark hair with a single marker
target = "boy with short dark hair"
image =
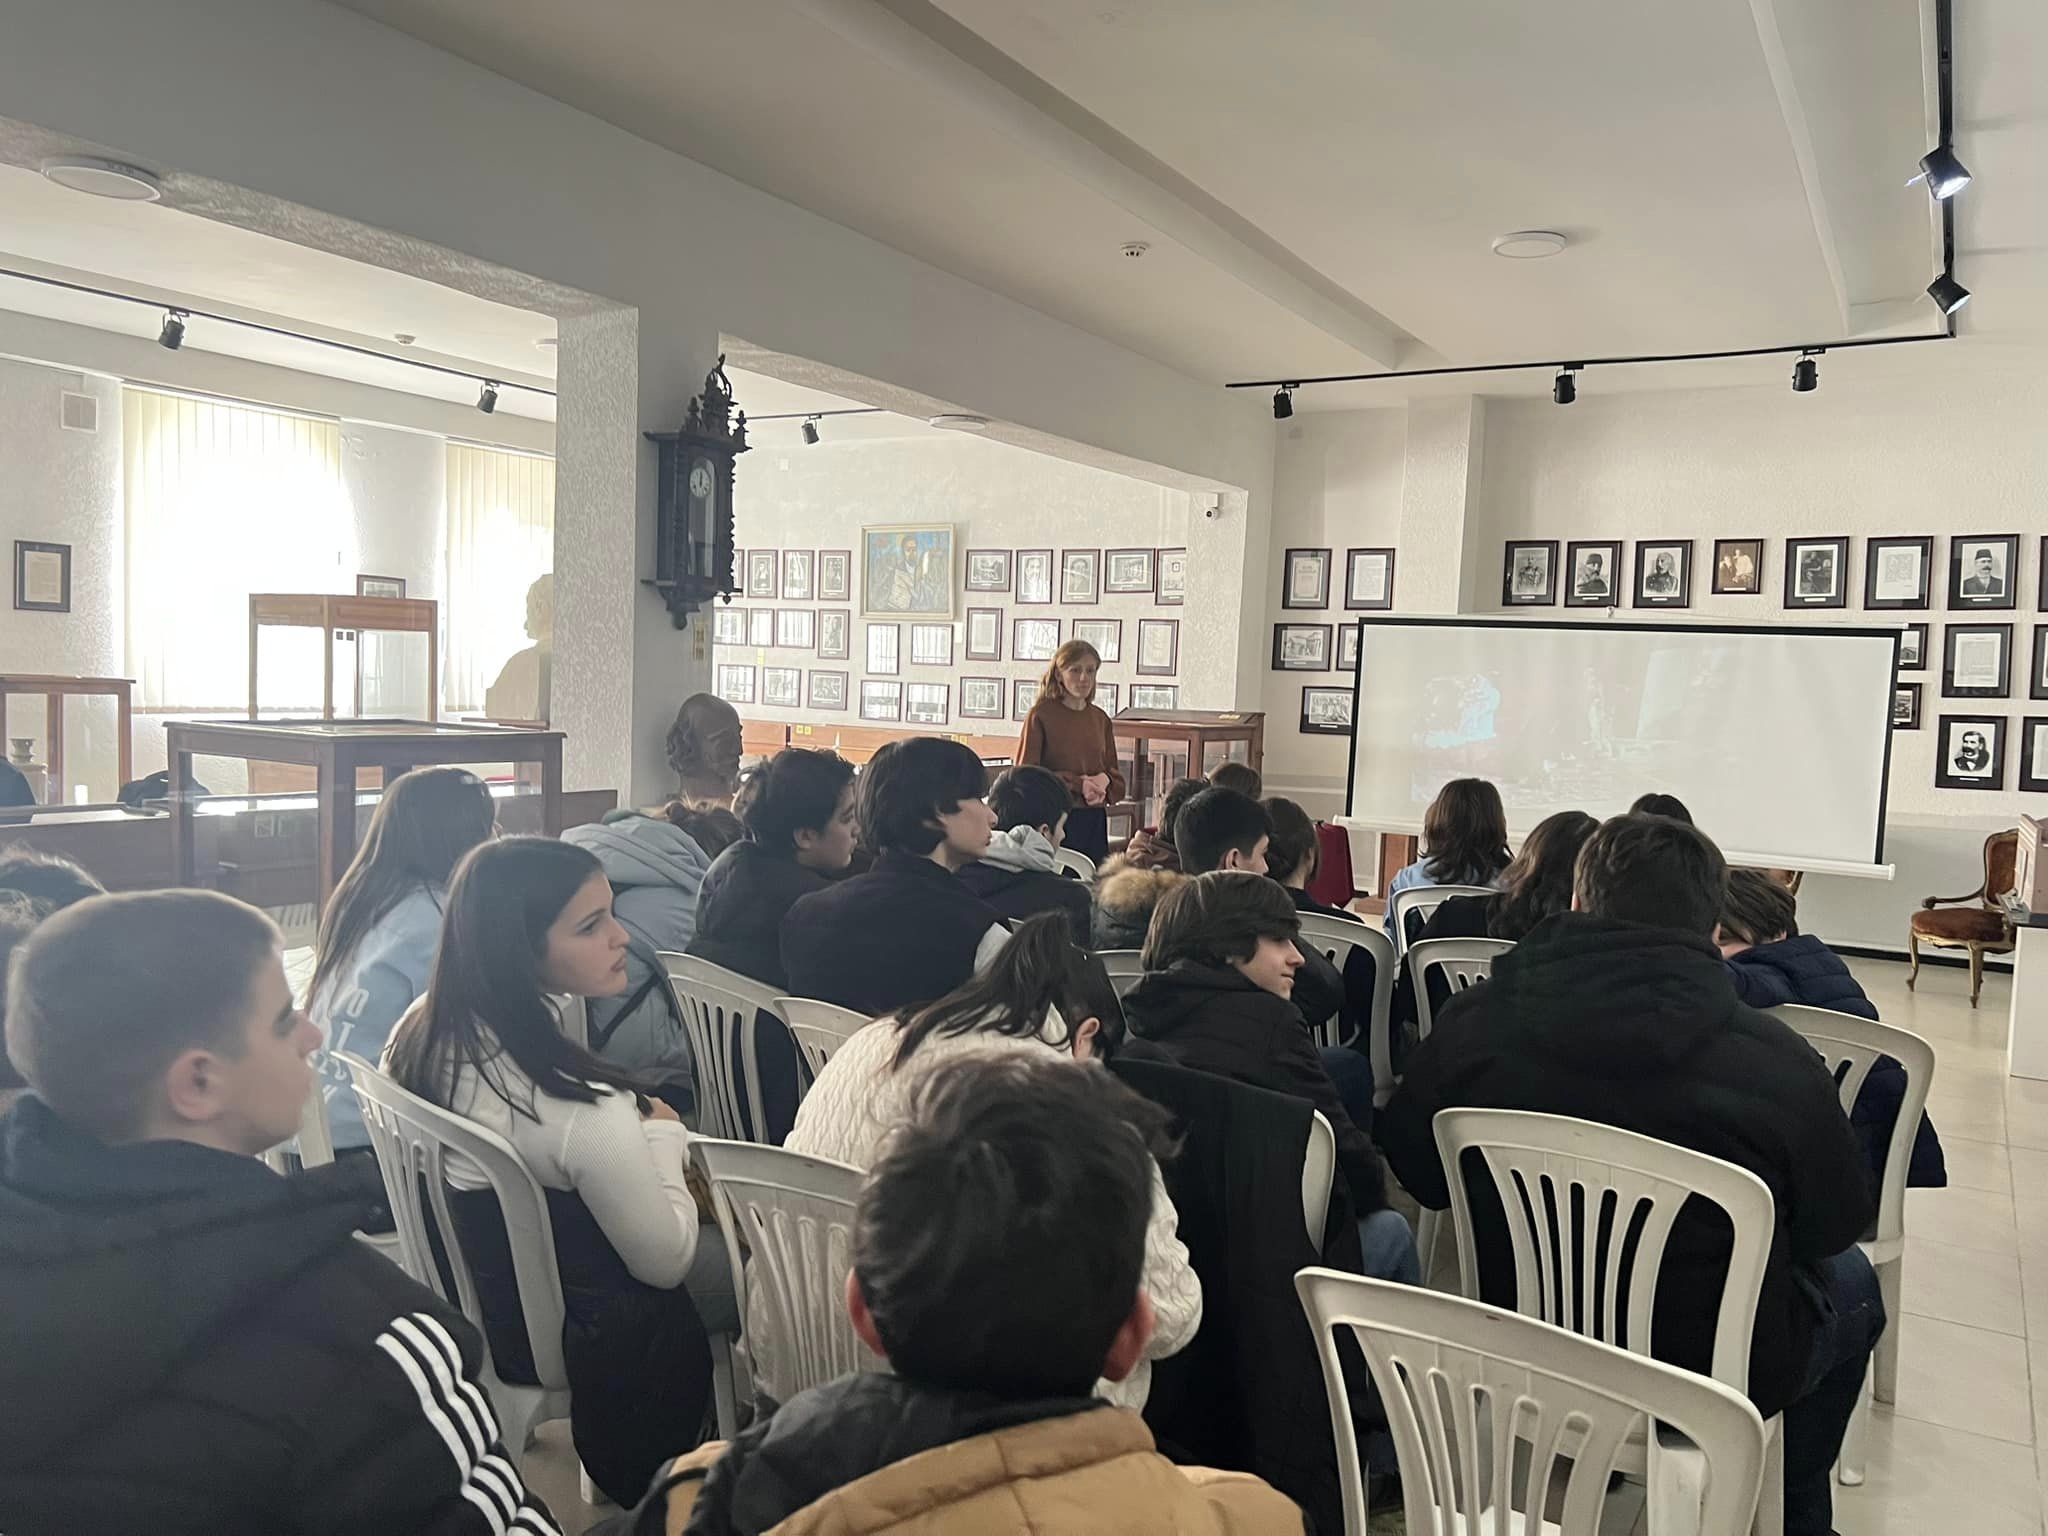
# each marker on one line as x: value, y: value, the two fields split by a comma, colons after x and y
x: 1019, y: 875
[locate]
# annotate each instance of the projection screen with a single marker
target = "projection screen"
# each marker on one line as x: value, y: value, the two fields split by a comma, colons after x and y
x: 1778, y: 739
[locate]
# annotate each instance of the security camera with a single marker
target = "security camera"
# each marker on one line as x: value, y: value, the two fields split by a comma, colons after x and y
x: 1215, y: 507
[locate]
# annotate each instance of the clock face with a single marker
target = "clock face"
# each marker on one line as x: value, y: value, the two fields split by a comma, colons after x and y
x: 700, y: 479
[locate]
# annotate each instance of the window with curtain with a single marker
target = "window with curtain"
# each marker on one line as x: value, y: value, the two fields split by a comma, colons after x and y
x: 224, y: 500
x: 499, y: 618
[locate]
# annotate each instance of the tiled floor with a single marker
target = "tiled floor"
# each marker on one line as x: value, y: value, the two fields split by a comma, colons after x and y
x: 1958, y: 1453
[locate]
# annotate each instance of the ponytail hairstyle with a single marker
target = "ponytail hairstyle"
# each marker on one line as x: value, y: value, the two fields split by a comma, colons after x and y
x: 1037, y: 971
x: 1050, y: 687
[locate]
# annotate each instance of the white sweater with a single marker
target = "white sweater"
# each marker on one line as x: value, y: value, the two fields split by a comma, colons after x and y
x: 857, y: 1100
x: 628, y: 1169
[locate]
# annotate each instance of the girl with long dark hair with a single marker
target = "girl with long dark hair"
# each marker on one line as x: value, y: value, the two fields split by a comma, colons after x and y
x: 1464, y: 841
x: 529, y: 920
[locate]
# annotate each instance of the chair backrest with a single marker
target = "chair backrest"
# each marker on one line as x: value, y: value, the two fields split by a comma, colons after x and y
x: 1067, y: 862
x: 1590, y: 1209
x: 1850, y: 1047
x: 819, y: 1028
x: 1411, y: 908
x: 413, y: 1140
x: 795, y: 1215
x: 1493, y: 1414
x: 717, y: 1008
x: 1461, y: 962
x: 1123, y: 967
x: 2001, y: 854
x: 1318, y: 1168
x: 1335, y: 938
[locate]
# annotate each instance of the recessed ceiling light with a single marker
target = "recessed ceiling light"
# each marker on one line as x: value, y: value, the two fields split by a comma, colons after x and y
x: 959, y: 421
x: 103, y: 178
x: 1529, y: 244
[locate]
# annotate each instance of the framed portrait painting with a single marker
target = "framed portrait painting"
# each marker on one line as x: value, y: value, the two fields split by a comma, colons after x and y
x: 1817, y: 573
x: 763, y: 572
x: 1738, y: 567
x: 2037, y: 670
x: 1590, y: 573
x: 1983, y: 570
x: 1664, y: 574
x: 1528, y: 577
x: 1972, y: 752
x: 1080, y: 575
x: 907, y: 571
x: 835, y: 576
x: 1034, y: 576
x: 834, y: 626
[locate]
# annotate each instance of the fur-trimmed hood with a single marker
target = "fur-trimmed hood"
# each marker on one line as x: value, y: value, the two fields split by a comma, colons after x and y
x: 1125, y: 894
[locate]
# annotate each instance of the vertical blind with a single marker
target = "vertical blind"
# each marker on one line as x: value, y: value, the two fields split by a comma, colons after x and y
x: 501, y: 539
x: 224, y: 500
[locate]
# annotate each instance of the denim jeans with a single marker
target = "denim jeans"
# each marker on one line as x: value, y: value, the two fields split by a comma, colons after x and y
x: 1389, y: 1244
x: 1351, y: 1075
x: 1818, y: 1418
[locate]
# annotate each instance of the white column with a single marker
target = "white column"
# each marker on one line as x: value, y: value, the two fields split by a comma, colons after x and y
x: 1435, y: 570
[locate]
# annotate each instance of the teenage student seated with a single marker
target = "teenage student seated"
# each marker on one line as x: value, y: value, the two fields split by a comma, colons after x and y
x: 1772, y: 962
x: 383, y: 923
x: 907, y: 931
x: 192, y: 1345
x: 1659, y: 804
x: 1464, y: 842
x: 1621, y: 1011
x: 530, y: 921
x: 1216, y: 829
x: 999, y: 1266
x: 1041, y: 997
x: 1152, y: 847
x: 1217, y: 997
x: 33, y: 886
x: 1242, y: 777
x: 1016, y: 874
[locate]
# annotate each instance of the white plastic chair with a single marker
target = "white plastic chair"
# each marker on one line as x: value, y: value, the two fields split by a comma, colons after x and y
x: 1850, y: 1047
x: 1318, y: 1168
x: 1124, y: 968
x: 1066, y: 861
x: 717, y: 1008
x: 1462, y: 962
x: 1423, y: 900
x: 1499, y: 1420
x: 795, y: 1214
x: 819, y: 1029
x: 1335, y: 939
x: 1546, y: 1166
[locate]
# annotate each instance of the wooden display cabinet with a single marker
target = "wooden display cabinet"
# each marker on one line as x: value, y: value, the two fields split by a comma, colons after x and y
x: 332, y: 612
x: 1159, y: 747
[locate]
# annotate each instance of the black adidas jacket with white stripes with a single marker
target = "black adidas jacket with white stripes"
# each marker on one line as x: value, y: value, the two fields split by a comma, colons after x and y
x: 191, y: 1344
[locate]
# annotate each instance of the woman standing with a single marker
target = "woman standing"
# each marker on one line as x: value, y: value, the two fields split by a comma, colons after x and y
x: 1069, y: 734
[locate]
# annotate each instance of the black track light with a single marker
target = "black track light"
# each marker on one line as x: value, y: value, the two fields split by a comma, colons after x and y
x: 1944, y: 174
x: 1948, y: 293
x: 487, y: 397
x: 1283, y: 402
x: 172, y: 336
x: 1805, y: 374
x: 1566, y: 389
x: 811, y: 432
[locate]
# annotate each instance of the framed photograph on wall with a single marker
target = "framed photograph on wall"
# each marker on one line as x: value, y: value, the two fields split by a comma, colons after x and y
x: 835, y: 576
x: 1347, y: 648
x: 1590, y: 573
x: 782, y: 687
x: 728, y: 626
x: 761, y: 627
x: 1105, y: 698
x: 1106, y: 635
x: 1034, y: 576
x: 1905, y: 706
x: 2037, y: 670
x: 1817, y: 573
x: 1301, y: 647
x: 1368, y: 578
x: 1034, y: 639
x: 1528, y: 574
x: 1983, y: 570
x: 906, y: 570
x: 1158, y: 647
x: 1664, y: 574
x: 763, y: 572
x: 2041, y: 600
x: 885, y: 656
x: 1023, y: 694
x: 1971, y: 752
x: 1325, y: 711
x: 380, y: 586
x: 1913, y: 648
x: 981, y: 698
x: 1155, y: 696
x: 1305, y: 579
x: 1976, y: 661
x: 796, y: 629
x: 881, y: 701
x: 988, y: 570
x: 735, y: 684
x: 1738, y: 567
x: 1081, y: 576
x: 926, y: 703
x: 828, y: 690
x: 931, y: 645
x: 2034, y: 754
x: 1173, y: 579
x: 1131, y: 572
x: 797, y: 568
x: 984, y: 637
x: 834, y: 627
x: 1898, y: 573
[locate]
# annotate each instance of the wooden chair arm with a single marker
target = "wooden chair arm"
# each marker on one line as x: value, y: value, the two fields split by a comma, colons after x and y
x: 1931, y: 902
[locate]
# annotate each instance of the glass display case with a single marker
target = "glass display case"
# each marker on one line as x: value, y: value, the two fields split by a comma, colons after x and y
x: 1159, y: 747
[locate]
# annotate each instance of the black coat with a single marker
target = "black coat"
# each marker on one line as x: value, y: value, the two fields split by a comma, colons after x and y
x: 746, y: 894
x: 1015, y: 894
x: 1639, y: 1028
x: 1214, y: 1020
x: 193, y: 1346
x: 900, y: 936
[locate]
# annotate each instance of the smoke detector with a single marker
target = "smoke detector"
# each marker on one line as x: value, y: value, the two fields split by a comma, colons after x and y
x: 1135, y: 248
x: 103, y: 178
x: 1529, y: 244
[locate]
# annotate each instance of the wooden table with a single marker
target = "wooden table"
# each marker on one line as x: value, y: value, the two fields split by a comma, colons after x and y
x: 328, y: 612
x: 335, y: 750
x: 55, y: 690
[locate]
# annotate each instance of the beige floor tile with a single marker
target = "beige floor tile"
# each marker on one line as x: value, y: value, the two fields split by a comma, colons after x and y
x: 1964, y: 1378
x: 2026, y: 1125
x: 550, y: 1469
x: 1963, y: 1218
x: 1964, y: 1285
x: 2029, y: 1172
x: 1970, y: 1120
x: 1922, y: 1479
x: 1980, y: 1165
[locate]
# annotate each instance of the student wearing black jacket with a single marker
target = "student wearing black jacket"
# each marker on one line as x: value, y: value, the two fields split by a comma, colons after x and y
x: 1017, y: 874
x: 192, y: 1345
x: 1632, y: 1022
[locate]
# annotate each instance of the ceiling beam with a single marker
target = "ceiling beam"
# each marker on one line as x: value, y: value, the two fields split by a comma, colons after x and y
x: 1793, y: 110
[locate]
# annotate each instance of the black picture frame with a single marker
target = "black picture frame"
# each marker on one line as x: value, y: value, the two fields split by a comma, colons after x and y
x: 811, y: 691
x: 1963, y: 551
x: 2041, y: 598
x: 1330, y: 695
x: 1950, y: 636
x: 1321, y: 663
x: 1680, y: 593
x: 38, y: 553
x: 997, y: 570
x: 1587, y: 595
x: 1347, y: 647
x: 1546, y: 597
x: 1874, y: 553
x: 1292, y: 597
x: 2033, y: 763
x: 2037, y: 677
x: 1114, y: 586
x: 1729, y: 579
x: 1802, y: 590
x: 1090, y: 561
x: 1907, y: 719
x: 1040, y: 563
x: 1948, y: 747
x: 1352, y: 601
x: 380, y: 586
x: 992, y: 652
x: 1172, y: 628
x: 970, y: 687
x: 1913, y: 640
x: 1023, y: 694
x: 1173, y: 577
